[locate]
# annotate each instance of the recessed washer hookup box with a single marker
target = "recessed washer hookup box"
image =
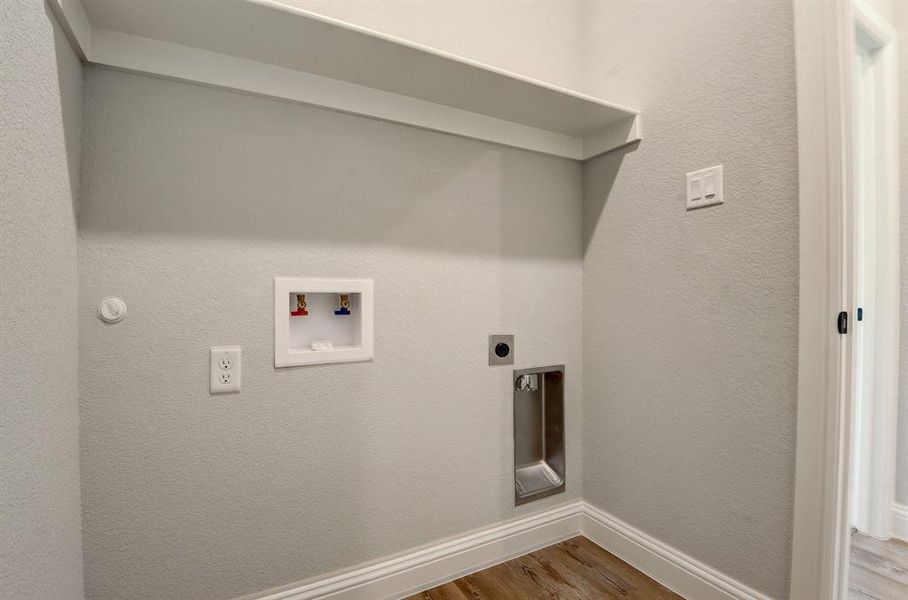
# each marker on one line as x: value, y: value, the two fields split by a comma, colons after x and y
x: 320, y: 321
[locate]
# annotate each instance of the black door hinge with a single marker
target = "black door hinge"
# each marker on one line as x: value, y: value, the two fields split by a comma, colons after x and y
x: 843, y: 322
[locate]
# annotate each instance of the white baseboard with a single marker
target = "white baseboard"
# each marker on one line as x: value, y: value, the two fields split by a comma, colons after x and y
x: 900, y: 521
x: 669, y: 566
x: 432, y: 565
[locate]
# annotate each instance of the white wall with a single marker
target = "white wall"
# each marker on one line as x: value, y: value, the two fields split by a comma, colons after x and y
x: 192, y: 200
x: 691, y: 330
x: 896, y: 13
x: 40, y: 549
x: 535, y: 39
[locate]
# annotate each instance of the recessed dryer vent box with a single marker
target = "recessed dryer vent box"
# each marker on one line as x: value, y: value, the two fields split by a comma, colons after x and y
x: 319, y: 321
x: 538, y: 433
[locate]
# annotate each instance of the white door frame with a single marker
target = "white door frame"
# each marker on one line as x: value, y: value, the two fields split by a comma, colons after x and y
x: 876, y: 196
x: 824, y: 50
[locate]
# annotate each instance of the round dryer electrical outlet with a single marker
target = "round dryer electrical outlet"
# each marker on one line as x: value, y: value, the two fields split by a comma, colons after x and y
x: 501, y: 350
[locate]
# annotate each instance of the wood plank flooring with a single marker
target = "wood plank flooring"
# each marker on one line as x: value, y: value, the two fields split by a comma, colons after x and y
x: 576, y: 569
x: 877, y: 570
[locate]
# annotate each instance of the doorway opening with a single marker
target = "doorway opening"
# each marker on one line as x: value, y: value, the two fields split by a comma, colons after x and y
x: 875, y: 261
x: 846, y: 65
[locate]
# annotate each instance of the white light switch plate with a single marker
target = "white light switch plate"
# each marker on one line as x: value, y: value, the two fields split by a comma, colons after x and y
x: 704, y: 187
x: 225, y: 369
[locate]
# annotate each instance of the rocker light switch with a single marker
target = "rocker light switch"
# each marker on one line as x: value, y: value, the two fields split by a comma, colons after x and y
x: 704, y: 187
x: 696, y: 189
x: 709, y: 185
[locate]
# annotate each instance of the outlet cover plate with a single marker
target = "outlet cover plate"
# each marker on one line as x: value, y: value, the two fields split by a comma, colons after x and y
x: 495, y: 355
x: 704, y: 187
x: 225, y: 370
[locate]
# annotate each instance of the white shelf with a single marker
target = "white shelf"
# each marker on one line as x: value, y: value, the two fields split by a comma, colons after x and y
x: 269, y: 48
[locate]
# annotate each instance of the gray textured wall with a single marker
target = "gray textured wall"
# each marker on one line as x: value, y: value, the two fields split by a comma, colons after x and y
x: 40, y: 549
x: 192, y: 200
x: 690, y: 318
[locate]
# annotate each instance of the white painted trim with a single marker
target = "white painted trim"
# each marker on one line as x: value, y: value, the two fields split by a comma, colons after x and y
x: 74, y: 22
x: 433, y: 565
x: 612, y: 137
x: 900, y: 521
x: 824, y: 51
x: 669, y: 566
x: 819, y: 538
x: 873, y: 24
x: 874, y: 446
x: 128, y: 52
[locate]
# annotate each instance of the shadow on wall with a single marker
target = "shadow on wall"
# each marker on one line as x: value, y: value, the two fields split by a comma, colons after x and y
x: 599, y: 175
x: 70, y: 82
x: 230, y: 165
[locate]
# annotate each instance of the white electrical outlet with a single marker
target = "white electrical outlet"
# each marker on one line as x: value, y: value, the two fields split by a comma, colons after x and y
x: 225, y: 370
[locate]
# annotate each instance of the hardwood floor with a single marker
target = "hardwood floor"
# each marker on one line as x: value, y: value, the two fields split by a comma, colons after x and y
x: 877, y: 570
x: 576, y: 569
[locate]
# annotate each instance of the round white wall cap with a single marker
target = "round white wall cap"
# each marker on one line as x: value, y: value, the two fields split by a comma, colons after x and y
x: 112, y: 310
